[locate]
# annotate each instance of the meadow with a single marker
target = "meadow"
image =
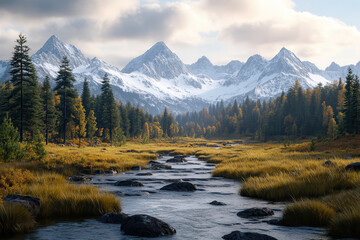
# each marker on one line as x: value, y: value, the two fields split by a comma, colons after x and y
x: 317, y: 194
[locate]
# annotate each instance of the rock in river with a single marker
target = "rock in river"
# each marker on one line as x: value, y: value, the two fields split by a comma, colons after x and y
x: 129, y: 183
x: 80, y: 178
x: 180, y: 187
x: 113, y: 217
x: 30, y: 203
x: 353, y: 167
x: 146, y: 226
x: 237, y: 235
x: 255, y: 212
x: 216, y: 203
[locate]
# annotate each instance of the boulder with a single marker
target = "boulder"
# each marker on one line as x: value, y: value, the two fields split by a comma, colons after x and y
x: 216, y: 203
x: 144, y: 174
x: 113, y: 217
x: 30, y: 203
x: 146, y: 226
x: 353, y: 167
x: 237, y: 235
x: 255, y: 212
x: 180, y: 187
x: 328, y: 163
x: 80, y: 178
x: 129, y: 183
x: 176, y: 160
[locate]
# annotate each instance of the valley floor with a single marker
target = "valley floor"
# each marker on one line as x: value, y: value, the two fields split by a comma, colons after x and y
x: 317, y: 188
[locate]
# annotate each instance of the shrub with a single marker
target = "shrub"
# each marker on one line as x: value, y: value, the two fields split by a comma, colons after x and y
x: 12, y: 180
x: 9, y: 141
x: 308, y: 213
x: 15, y: 219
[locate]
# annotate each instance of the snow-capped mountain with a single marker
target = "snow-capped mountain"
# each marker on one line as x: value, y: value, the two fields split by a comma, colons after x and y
x: 158, y: 78
x: 157, y: 62
x: 203, y: 67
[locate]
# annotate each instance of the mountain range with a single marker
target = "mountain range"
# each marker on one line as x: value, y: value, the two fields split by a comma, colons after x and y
x: 158, y: 78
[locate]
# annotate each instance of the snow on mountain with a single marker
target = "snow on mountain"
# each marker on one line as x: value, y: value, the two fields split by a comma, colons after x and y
x: 158, y: 78
x: 157, y: 62
x: 204, y: 68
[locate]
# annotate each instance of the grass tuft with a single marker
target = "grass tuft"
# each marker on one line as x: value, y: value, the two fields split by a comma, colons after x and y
x: 67, y: 200
x: 308, y: 213
x: 15, y: 219
x: 346, y: 224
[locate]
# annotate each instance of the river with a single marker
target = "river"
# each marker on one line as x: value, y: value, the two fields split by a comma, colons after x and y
x: 189, y: 213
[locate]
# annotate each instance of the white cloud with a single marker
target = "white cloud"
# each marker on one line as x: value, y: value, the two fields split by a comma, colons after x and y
x: 223, y: 30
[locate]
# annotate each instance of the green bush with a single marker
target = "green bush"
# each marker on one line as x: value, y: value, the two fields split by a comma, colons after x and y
x: 10, y: 148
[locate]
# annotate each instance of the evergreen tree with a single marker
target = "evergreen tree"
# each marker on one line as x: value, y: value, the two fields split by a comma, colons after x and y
x: 348, y: 103
x: 25, y: 104
x: 49, y: 116
x: 5, y: 92
x: 65, y: 89
x: 109, y: 113
x: 86, y: 97
x: 91, y: 125
x: 9, y: 141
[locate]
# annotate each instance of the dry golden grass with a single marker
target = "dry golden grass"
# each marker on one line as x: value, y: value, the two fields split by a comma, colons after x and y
x: 308, y: 213
x: 68, y: 200
x: 15, y: 219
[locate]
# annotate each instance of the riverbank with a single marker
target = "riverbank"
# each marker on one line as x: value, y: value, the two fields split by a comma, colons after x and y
x: 267, y: 171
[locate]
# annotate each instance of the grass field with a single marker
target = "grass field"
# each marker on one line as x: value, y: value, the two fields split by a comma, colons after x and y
x: 317, y: 194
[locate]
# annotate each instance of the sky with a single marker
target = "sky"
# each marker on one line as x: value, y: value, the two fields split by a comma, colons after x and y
x: 320, y: 31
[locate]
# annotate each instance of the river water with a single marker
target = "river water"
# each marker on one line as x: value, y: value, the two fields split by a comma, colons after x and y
x: 189, y: 213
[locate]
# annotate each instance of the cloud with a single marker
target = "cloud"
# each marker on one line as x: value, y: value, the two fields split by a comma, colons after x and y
x: 222, y: 29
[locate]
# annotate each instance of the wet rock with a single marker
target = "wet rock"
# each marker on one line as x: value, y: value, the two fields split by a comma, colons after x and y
x: 144, y: 174
x: 277, y: 222
x: 146, y: 226
x: 79, y: 178
x: 113, y: 217
x: 180, y: 187
x: 176, y: 160
x: 160, y: 166
x: 30, y: 203
x: 216, y: 203
x: 97, y: 172
x: 152, y: 162
x: 255, y: 212
x: 237, y: 235
x: 137, y: 168
x: 328, y: 163
x: 353, y: 167
x: 129, y: 183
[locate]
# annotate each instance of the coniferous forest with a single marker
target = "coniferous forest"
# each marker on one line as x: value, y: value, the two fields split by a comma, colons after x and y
x: 58, y: 113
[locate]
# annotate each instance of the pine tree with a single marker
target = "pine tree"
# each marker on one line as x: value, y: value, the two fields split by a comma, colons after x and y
x: 348, y: 103
x: 49, y: 116
x: 355, y: 96
x: 5, y: 92
x: 86, y: 97
x: 25, y: 102
x: 91, y: 124
x: 9, y: 141
x: 109, y: 113
x: 65, y: 89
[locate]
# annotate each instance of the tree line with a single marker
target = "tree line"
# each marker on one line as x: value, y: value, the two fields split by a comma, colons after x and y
x: 326, y: 111
x: 60, y: 114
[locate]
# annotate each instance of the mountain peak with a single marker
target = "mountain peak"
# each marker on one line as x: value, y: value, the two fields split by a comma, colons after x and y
x: 333, y: 67
x: 157, y: 62
x: 285, y: 53
x: 53, y: 51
